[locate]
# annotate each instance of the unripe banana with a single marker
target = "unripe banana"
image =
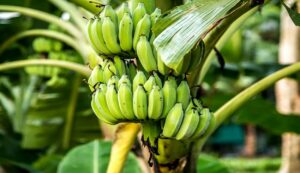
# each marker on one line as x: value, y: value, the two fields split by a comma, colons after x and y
x: 183, y: 66
x: 138, y: 14
x: 156, y: 103
x: 96, y: 77
x: 91, y: 37
x: 197, y: 56
x: 139, y: 79
x: 120, y: 65
x: 143, y: 28
x: 157, y: 79
x: 204, y: 122
x: 189, y: 125
x: 122, y: 10
x: 145, y: 54
x: 109, y: 71
x: 112, y: 102
x: 131, y: 70
x: 162, y: 68
x: 101, y: 105
x: 110, y: 35
x: 125, y: 98
x: 194, y: 104
x: 155, y: 15
x: 98, y: 113
x: 149, y: 84
x: 173, y: 121
x: 151, y: 132
x: 169, y: 95
x: 183, y: 94
x: 173, y: 81
x: 140, y: 105
x: 108, y: 11
x: 124, y: 79
x: 126, y: 32
x: 114, y: 80
x: 98, y: 37
x: 149, y: 4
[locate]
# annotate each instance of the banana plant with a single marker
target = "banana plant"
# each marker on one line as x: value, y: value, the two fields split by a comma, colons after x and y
x: 207, y: 24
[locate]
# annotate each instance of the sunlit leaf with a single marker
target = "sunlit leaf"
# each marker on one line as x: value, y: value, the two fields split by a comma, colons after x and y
x: 93, y: 158
x: 179, y: 30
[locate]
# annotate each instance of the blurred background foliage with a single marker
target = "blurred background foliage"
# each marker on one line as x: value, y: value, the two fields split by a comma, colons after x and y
x: 40, y: 121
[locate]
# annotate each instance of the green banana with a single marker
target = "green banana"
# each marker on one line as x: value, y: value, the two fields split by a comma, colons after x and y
x: 140, y: 105
x: 110, y: 35
x: 151, y: 132
x: 197, y: 56
x: 194, y: 104
x: 149, y: 4
x: 90, y: 35
x: 183, y: 66
x: 156, y: 100
x: 96, y: 77
x: 157, y: 79
x: 108, y: 11
x: 204, y: 122
x: 125, y: 98
x: 112, y: 101
x: 124, y: 79
x: 126, y: 32
x: 155, y: 15
x: 138, y: 14
x: 183, y: 94
x: 139, y: 79
x: 173, y: 121
x: 114, y: 80
x: 122, y: 10
x: 169, y: 95
x: 131, y: 70
x: 145, y: 54
x: 149, y: 84
x: 189, y: 125
x: 98, y: 37
x: 109, y: 71
x: 98, y: 113
x: 120, y: 65
x: 101, y: 105
x: 143, y: 28
x: 162, y: 68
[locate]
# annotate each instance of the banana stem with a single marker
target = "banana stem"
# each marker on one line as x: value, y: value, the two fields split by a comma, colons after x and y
x: 81, y: 69
x: 125, y: 137
x: 47, y: 33
x: 45, y: 17
x: 235, y: 103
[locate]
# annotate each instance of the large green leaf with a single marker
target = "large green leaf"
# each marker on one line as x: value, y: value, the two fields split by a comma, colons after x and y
x: 93, y: 158
x: 179, y: 30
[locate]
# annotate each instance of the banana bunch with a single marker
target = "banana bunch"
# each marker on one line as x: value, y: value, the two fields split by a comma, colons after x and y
x: 125, y: 31
x: 42, y: 44
x: 187, y: 124
x: 110, y: 68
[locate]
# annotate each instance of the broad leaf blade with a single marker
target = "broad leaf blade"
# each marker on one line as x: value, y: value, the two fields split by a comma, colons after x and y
x: 93, y: 158
x: 183, y: 27
x: 210, y: 164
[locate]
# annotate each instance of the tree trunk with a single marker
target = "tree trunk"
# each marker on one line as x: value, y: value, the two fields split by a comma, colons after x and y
x: 287, y: 93
x: 250, y: 141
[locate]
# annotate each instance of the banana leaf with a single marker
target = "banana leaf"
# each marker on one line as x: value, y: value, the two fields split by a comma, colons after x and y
x: 180, y: 29
x: 93, y: 157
